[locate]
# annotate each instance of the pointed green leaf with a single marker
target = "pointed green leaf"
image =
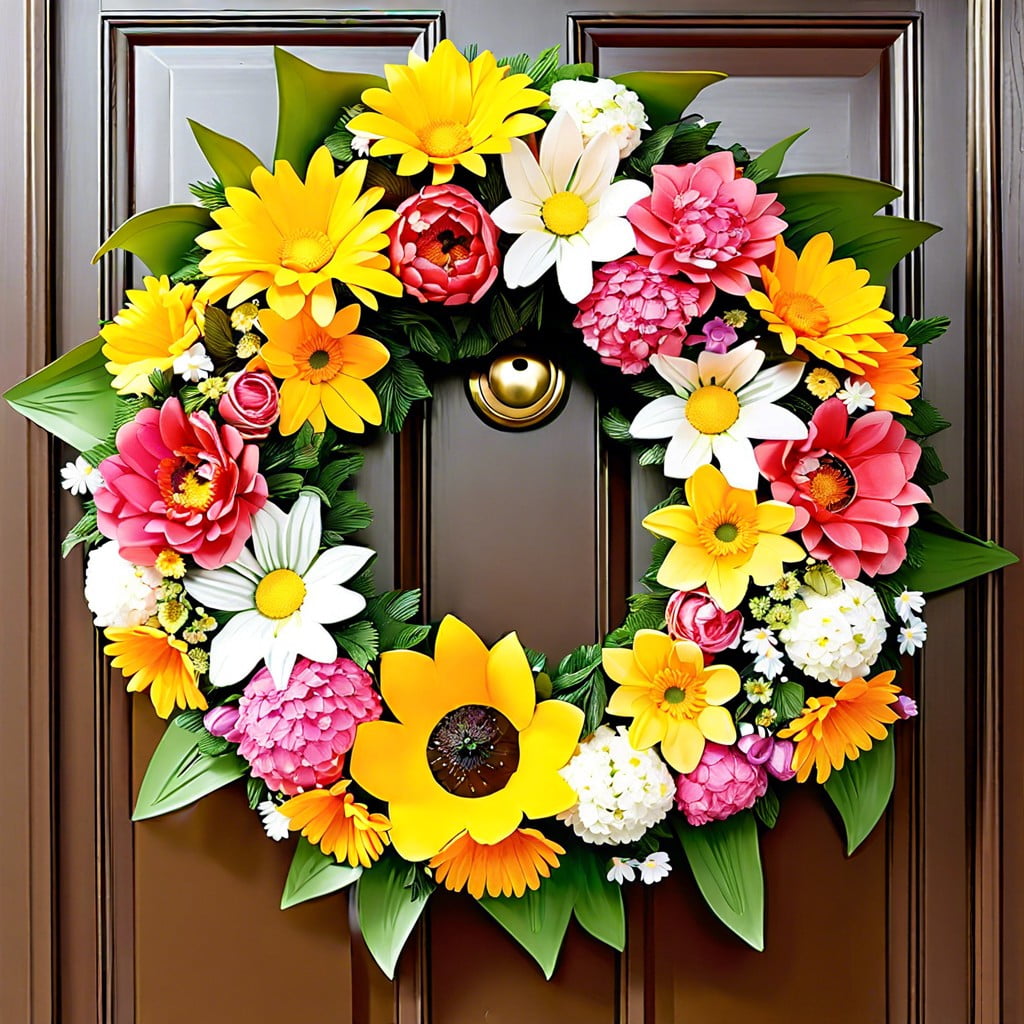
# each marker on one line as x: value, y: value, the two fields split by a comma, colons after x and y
x: 314, y: 873
x: 861, y: 790
x: 308, y: 102
x: 71, y: 398
x: 666, y: 94
x: 597, y: 903
x: 769, y: 163
x: 726, y: 863
x: 386, y: 910
x: 161, y: 237
x: 179, y: 774
x: 882, y: 242
x: 232, y: 162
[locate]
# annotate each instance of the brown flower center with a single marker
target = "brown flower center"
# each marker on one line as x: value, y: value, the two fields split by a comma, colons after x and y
x: 804, y: 313
x: 473, y: 751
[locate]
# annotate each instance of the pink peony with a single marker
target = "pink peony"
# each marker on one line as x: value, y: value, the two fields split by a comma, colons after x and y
x: 179, y: 482
x: 850, y: 485
x: 634, y: 312
x: 775, y: 755
x: 703, y: 221
x: 250, y: 404
x: 444, y: 246
x: 695, y: 615
x: 296, y: 738
x: 723, y: 784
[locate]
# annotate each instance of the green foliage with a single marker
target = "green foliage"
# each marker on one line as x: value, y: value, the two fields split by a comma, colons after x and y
x: 218, y: 338
x: 861, y: 789
x: 347, y: 514
x: 579, y: 680
x: 666, y: 94
x: 767, y: 808
x: 924, y: 419
x: 921, y: 332
x: 616, y: 426
x: 314, y: 873
x: 255, y: 791
x: 84, y: 531
x: 232, y: 162
x: 675, y: 143
x: 787, y: 700
x: 339, y: 142
x: 160, y: 237
x: 210, y: 194
x: 387, y: 909
x: 398, y: 385
x: 360, y: 641
x: 769, y: 163
x: 646, y: 611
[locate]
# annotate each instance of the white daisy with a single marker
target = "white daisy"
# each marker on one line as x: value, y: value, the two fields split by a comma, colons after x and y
x: 565, y: 208
x: 193, y: 364
x: 769, y: 663
x: 79, y: 477
x: 654, y: 868
x: 720, y: 402
x: 759, y: 640
x: 282, y: 593
x: 909, y: 604
x: 857, y: 396
x: 622, y: 870
x: 913, y: 635
x: 275, y: 824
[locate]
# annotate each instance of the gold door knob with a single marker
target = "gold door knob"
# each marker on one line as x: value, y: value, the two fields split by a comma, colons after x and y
x: 518, y: 390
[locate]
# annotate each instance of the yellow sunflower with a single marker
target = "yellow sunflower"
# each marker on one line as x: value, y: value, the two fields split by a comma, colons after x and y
x: 157, y: 325
x: 507, y: 868
x: 447, y: 111
x: 471, y: 750
x: 723, y: 538
x: 293, y: 239
x: 826, y: 307
x: 324, y: 370
x: 671, y: 697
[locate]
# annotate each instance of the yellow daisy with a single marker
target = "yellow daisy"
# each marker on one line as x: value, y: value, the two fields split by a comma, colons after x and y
x: 295, y: 238
x: 893, y: 374
x: 821, y: 383
x: 447, y: 111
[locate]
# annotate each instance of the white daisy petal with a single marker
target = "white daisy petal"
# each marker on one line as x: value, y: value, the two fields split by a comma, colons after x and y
x: 772, y: 383
x: 621, y: 195
x: 268, y: 525
x: 735, y: 456
x: 280, y: 661
x: 561, y: 147
x: 300, y: 538
x: 246, y: 565
x: 731, y: 369
x: 315, y: 643
x: 531, y: 254
x: 659, y: 418
x: 688, y: 450
x: 221, y: 589
x: 596, y: 167
x: 770, y: 422
x: 609, y: 238
x: 575, y: 269
x: 522, y: 175
x: 238, y: 647
x: 331, y: 602
x: 514, y: 216
x: 338, y: 565
x: 680, y: 373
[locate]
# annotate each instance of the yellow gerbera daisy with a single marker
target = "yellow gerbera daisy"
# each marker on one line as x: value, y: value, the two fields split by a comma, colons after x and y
x: 157, y: 325
x: 447, y: 112
x: 825, y: 307
x: 324, y: 370
x: 507, y: 868
x: 671, y: 697
x: 471, y: 750
x: 821, y: 383
x: 723, y: 538
x: 293, y: 239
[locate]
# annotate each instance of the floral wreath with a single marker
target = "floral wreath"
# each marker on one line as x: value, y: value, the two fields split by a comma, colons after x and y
x: 428, y: 219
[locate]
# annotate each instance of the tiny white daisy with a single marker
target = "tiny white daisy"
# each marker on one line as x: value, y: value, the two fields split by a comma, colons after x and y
x: 78, y: 477
x: 909, y: 604
x: 193, y: 364
x: 757, y: 641
x: 654, y: 868
x: 769, y: 663
x: 275, y: 824
x: 622, y: 870
x: 857, y: 396
x: 913, y: 635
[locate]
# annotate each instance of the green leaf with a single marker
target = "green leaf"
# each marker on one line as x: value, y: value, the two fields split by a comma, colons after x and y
x: 179, y: 774
x: 921, y: 332
x: 769, y: 163
x: 71, y: 398
x: 882, y: 242
x: 210, y: 745
x: 398, y: 385
x: 360, y: 642
x: 616, y: 426
x: 347, y: 514
x: 308, y: 101
x: 597, y: 903
x: 395, y: 604
x: 787, y: 700
x: 211, y: 197
x: 256, y: 791
x: 217, y: 334
x: 160, y: 238
x: 861, y: 790
x: 402, y: 637
x: 543, y: 69
x: 726, y: 863
x: 387, y: 910
x: 767, y: 808
x: 585, y: 70
x: 232, y: 162
x: 84, y: 531
x: 666, y: 94
x: 579, y: 680
x: 314, y: 873
x: 924, y: 419
x: 653, y: 455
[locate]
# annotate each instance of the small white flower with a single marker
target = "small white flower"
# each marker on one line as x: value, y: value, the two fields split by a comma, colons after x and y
x: 909, y: 604
x: 857, y: 396
x: 361, y: 143
x: 913, y: 635
x: 757, y: 641
x: 769, y: 663
x: 602, y: 106
x: 622, y: 870
x: 193, y: 364
x: 79, y: 477
x: 275, y: 824
x: 758, y: 691
x: 117, y: 592
x: 654, y: 868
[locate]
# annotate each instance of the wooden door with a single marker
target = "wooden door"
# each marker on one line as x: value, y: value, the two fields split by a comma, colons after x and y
x: 177, y: 918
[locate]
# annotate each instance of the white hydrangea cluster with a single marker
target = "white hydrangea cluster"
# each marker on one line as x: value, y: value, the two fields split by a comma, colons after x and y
x: 117, y: 592
x: 602, y: 106
x: 836, y: 637
x: 622, y: 791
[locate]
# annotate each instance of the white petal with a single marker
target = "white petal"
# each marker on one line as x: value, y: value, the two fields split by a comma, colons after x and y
x: 561, y: 147
x: 772, y: 383
x: 337, y: 565
x: 301, y: 538
x: 771, y: 422
x: 681, y: 373
x: 621, y: 195
x: 596, y: 168
x: 736, y: 458
x: 531, y: 254
x: 238, y: 646
x: 315, y: 643
x: 609, y: 238
x: 731, y: 369
x: 268, y: 526
x: 331, y: 602
x: 222, y: 589
x: 522, y: 175
x: 280, y: 662
x: 575, y: 269
x: 688, y: 450
x: 659, y: 418
x: 246, y: 565
x: 514, y: 216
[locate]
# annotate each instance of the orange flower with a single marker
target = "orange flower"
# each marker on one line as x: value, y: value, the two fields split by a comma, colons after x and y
x: 832, y: 730
x: 338, y: 823
x: 509, y: 867
x: 893, y: 379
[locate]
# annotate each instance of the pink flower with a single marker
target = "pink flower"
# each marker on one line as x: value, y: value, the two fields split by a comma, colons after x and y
x: 703, y: 221
x: 695, y: 615
x: 905, y: 707
x: 723, y: 784
x: 775, y: 755
x: 850, y: 485
x: 634, y: 312
x: 296, y: 738
x: 444, y: 246
x: 250, y: 404
x: 179, y: 482
x: 716, y: 336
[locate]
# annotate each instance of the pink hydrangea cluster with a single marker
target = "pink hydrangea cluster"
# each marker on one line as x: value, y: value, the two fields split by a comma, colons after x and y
x: 634, y: 312
x: 723, y: 784
x: 296, y: 738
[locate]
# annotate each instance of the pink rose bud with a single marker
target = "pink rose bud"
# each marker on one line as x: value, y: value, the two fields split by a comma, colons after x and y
x: 775, y: 755
x: 221, y: 722
x: 694, y: 615
x: 905, y: 707
x: 250, y: 404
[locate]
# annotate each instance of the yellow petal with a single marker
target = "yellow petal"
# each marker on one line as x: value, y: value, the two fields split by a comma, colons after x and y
x: 510, y: 682
x: 717, y: 725
x: 682, y: 746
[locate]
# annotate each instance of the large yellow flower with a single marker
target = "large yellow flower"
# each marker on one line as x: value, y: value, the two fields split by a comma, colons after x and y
x: 447, y: 112
x: 324, y: 370
x: 723, y: 538
x: 471, y: 751
x: 827, y: 308
x: 293, y: 238
x: 671, y: 697
x: 158, y: 324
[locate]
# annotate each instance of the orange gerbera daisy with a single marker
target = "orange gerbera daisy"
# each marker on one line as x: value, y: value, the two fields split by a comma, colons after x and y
x: 830, y: 731
x: 894, y: 378
x: 324, y: 370
x: 507, y: 868
x: 157, y: 660
x: 338, y: 823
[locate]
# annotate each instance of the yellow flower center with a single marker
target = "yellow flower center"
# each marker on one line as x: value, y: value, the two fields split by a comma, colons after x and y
x: 565, y: 213
x: 725, y: 533
x: 320, y: 358
x: 445, y: 139
x: 712, y: 409
x: 831, y: 485
x: 822, y: 384
x: 280, y: 593
x: 306, y: 251
x: 804, y: 313
x: 676, y: 693
x: 182, y: 487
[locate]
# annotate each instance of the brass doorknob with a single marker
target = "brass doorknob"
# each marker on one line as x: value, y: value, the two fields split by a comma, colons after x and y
x: 518, y: 390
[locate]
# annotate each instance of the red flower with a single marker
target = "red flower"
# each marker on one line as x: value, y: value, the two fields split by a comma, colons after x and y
x: 850, y: 486
x: 251, y: 404
x: 179, y: 482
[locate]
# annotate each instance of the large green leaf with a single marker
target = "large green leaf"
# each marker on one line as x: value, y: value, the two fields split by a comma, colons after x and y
x: 179, y: 774
x: 861, y: 790
x: 314, y: 873
x: 387, y: 911
x: 71, y: 398
x: 160, y: 237
x: 308, y: 101
x: 666, y: 94
x: 597, y: 903
x: 883, y: 242
x: 726, y: 863
x: 232, y: 162
x: 769, y: 163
